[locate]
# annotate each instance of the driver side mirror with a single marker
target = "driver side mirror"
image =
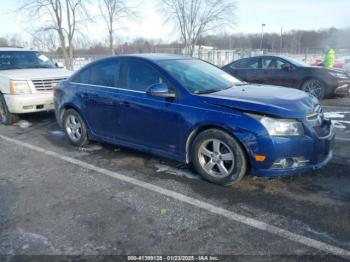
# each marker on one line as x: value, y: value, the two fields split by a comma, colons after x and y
x: 287, y: 67
x: 59, y: 65
x: 160, y: 90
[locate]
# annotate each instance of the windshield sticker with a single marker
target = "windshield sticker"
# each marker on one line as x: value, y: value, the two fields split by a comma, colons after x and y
x: 43, y: 58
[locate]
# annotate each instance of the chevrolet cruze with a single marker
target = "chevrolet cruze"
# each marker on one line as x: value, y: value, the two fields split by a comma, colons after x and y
x: 191, y: 111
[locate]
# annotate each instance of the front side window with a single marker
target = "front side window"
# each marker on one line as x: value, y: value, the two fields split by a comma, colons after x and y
x: 250, y: 63
x: 273, y: 63
x: 23, y: 60
x: 198, y: 76
x: 139, y: 76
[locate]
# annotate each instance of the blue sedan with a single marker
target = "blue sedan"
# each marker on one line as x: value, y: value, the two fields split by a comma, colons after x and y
x: 191, y: 111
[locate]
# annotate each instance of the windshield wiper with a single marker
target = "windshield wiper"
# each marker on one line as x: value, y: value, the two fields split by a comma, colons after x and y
x: 207, y: 91
x: 10, y: 68
x: 38, y: 66
x: 242, y: 84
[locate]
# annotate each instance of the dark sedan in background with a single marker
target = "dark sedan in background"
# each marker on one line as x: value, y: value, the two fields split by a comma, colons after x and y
x: 282, y: 71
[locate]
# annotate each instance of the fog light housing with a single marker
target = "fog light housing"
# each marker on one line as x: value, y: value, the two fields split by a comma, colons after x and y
x: 289, y: 162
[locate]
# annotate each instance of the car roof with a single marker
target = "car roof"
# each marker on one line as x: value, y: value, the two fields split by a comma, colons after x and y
x: 9, y: 48
x: 264, y: 56
x: 157, y: 56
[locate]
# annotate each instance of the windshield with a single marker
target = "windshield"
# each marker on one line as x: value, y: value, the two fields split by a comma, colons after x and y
x: 197, y: 76
x: 297, y: 62
x: 23, y: 60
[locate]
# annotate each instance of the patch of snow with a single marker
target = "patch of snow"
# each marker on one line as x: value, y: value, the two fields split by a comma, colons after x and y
x: 331, y: 115
x: 175, y: 171
x: 335, y: 118
x: 23, y: 124
x: 90, y: 148
x: 57, y: 133
x: 340, y: 124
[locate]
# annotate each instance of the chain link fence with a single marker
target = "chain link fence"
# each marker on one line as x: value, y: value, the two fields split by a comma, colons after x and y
x: 215, y: 56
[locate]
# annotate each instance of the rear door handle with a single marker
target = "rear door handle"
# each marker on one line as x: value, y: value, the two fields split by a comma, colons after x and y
x: 83, y: 95
x: 87, y: 95
x: 125, y: 103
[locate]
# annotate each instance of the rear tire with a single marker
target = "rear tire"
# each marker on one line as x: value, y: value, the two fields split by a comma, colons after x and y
x: 315, y: 87
x: 6, y: 118
x: 75, y: 128
x: 218, y: 157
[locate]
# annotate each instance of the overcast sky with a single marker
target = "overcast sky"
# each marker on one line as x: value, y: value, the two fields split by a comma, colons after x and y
x: 292, y: 14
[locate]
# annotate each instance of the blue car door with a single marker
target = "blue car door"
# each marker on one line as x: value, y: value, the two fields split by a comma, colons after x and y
x: 147, y: 121
x: 101, y: 98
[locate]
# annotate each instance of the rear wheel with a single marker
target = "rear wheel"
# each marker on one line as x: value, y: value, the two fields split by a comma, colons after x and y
x: 314, y: 87
x: 6, y: 118
x: 218, y: 157
x: 75, y: 128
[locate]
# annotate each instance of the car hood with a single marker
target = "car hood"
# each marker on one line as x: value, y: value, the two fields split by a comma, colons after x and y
x: 327, y: 70
x: 264, y: 99
x: 35, y: 73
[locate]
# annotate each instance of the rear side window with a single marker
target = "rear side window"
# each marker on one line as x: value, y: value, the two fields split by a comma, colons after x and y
x: 82, y: 77
x: 104, y: 74
x: 139, y: 76
x: 250, y: 63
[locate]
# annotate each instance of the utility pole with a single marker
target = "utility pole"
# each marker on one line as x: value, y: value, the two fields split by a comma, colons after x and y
x: 281, y: 40
x: 262, y: 36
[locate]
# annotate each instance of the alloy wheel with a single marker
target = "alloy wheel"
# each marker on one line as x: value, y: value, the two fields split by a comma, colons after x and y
x: 216, y: 158
x: 73, y: 127
x: 313, y: 87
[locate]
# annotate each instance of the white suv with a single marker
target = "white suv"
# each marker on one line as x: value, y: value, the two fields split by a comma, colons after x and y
x: 26, y: 81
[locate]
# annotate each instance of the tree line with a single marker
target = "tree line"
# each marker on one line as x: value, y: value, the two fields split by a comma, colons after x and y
x: 61, y: 25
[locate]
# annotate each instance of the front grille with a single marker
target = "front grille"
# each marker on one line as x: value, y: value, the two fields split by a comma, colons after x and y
x: 45, y: 84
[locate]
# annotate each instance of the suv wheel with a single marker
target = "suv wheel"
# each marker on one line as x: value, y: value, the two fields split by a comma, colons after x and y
x: 314, y: 87
x: 6, y: 118
x: 218, y: 157
x: 75, y: 128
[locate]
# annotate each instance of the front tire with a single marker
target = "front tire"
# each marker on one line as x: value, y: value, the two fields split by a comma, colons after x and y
x: 75, y: 128
x: 6, y: 118
x: 314, y: 87
x: 218, y: 157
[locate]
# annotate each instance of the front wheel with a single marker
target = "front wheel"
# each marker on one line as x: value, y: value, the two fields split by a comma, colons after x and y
x: 75, y: 128
x: 314, y: 87
x: 6, y: 118
x: 218, y: 157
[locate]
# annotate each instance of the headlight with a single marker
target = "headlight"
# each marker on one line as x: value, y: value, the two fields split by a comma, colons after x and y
x: 20, y: 88
x: 339, y: 75
x: 280, y: 127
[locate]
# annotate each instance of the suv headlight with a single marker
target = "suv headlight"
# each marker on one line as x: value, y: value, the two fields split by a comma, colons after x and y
x: 280, y: 127
x: 20, y: 88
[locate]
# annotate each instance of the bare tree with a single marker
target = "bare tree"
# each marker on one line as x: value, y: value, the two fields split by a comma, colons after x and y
x: 194, y: 18
x: 113, y: 11
x: 44, y: 40
x: 62, y: 16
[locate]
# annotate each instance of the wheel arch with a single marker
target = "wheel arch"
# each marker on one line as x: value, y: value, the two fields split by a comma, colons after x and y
x: 67, y: 107
x: 197, y: 130
x: 307, y: 78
